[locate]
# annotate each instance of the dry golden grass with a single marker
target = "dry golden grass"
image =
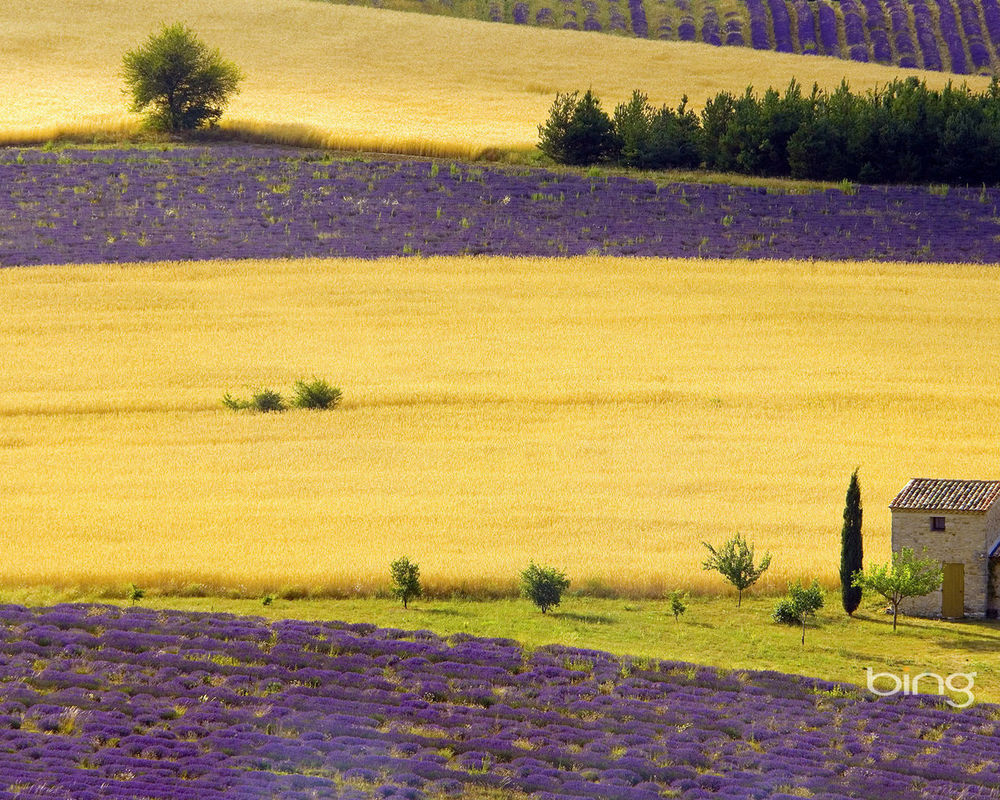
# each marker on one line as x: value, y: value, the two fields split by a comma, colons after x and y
x: 359, y: 78
x: 603, y: 415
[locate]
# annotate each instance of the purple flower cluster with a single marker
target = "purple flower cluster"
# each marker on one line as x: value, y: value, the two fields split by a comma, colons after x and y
x: 521, y: 13
x: 245, y: 201
x: 99, y: 702
x: 590, y: 23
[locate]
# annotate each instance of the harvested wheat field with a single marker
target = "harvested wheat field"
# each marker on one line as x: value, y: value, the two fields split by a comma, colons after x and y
x: 360, y: 78
x: 604, y: 415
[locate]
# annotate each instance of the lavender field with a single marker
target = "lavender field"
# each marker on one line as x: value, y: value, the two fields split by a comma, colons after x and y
x: 960, y: 36
x: 101, y: 702
x: 243, y: 201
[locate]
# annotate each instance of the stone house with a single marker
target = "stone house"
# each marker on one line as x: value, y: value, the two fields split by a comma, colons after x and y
x: 958, y: 522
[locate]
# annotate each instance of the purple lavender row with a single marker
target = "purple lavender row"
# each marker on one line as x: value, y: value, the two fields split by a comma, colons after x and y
x: 877, y: 31
x: 759, y: 37
x: 590, y: 22
x: 665, y: 29
x: 806, y: 26
x: 854, y: 31
x: 991, y: 14
x: 616, y: 19
x: 926, y: 38
x: 98, y: 702
x: 685, y: 29
x: 952, y: 38
x: 782, y: 26
x: 241, y: 201
x: 640, y: 26
x: 734, y: 29
x: 828, y: 36
x: 710, y: 27
x: 978, y: 51
x: 521, y: 13
x: 900, y: 22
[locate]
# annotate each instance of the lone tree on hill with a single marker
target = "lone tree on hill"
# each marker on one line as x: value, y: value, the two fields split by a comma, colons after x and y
x: 185, y: 82
x: 904, y: 576
x: 851, y: 550
x: 734, y: 561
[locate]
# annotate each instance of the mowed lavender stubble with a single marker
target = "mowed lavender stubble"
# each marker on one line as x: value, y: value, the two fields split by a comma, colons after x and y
x: 243, y: 201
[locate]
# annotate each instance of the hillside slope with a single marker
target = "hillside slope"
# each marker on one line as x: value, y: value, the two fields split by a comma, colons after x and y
x: 362, y: 77
x: 961, y: 36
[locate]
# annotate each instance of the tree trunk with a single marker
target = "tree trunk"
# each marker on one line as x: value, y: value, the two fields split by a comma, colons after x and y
x: 803, y: 631
x: 895, y: 613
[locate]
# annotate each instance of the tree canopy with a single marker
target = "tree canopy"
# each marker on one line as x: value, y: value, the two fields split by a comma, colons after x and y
x: 186, y: 83
x: 904, y: 576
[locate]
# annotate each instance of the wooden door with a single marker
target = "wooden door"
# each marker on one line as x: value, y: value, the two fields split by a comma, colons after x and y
x: 953, y: 591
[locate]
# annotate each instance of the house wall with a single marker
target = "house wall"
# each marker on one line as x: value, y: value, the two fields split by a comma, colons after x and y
x: 965, y: 539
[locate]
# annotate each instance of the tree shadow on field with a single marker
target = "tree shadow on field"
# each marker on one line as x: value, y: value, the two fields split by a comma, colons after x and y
x: 446, y: 612
x: 589, y: 619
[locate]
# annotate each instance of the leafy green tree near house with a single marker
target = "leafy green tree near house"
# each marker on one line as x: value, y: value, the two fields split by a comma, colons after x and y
x: 734, y: 560
x: 186, y: 84
x: 851, y: 549
x: 903, y: 576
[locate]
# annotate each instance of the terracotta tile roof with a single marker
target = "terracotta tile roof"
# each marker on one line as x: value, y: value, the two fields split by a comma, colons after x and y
x: 935, y: 494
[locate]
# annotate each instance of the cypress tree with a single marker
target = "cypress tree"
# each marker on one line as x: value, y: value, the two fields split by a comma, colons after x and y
x: 851, y: 552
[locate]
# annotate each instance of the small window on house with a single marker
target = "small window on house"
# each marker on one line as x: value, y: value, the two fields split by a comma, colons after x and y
x: 937, y: 523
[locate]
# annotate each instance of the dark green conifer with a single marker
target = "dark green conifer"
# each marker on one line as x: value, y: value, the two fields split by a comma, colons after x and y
x: 851, y: 552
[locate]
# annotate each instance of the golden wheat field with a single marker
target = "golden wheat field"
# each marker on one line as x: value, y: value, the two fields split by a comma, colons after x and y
x: 603, y: 415
x: 359, y: 78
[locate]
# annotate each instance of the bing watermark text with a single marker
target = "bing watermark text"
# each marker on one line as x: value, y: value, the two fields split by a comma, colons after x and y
x: 957, y: 683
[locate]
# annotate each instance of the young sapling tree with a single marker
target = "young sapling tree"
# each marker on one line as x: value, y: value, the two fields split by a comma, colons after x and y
x: 405, y: 580
x: 734, y: 560
x: 802, y: 602
x: 678, y: 603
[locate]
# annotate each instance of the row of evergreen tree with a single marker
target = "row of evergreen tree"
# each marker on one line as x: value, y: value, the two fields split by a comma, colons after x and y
x: 903, y: 132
